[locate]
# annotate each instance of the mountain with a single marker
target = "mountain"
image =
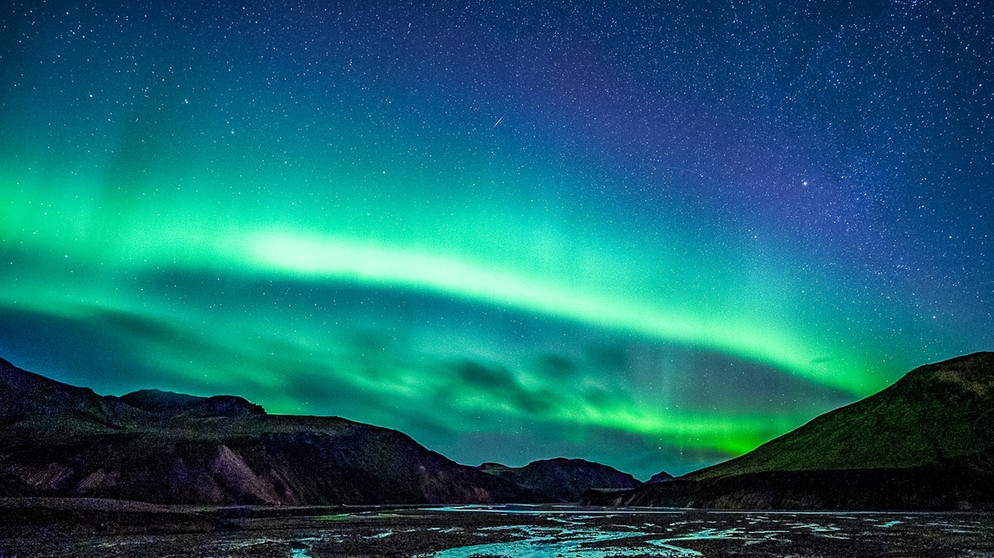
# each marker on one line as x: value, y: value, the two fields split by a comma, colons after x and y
x: 925, y: 442
x: 561, y: 479
x: 661, y: 476
x: 164, y: 448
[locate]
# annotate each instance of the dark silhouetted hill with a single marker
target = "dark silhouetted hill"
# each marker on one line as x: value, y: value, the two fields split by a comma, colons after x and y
x: 661, y: 476
x: 926, y: 442
x: 561, y: 479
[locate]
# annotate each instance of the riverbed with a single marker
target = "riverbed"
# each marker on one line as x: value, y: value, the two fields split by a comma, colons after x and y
x: 523, y: 531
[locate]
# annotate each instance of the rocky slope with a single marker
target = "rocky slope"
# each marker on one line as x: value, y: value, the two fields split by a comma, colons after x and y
x: 926, y: 442
x: 64, y: 441
x: 562, y: 480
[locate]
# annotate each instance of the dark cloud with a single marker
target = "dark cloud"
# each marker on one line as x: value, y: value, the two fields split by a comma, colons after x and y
x: 606, y: 357
x: 475, y: 378
x: 557, y: 367
x: 724, y: 382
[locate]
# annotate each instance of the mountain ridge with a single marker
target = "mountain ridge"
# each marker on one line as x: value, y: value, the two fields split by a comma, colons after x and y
x: 162, y: 447
x: 561, y: 479
x: 936, y: 412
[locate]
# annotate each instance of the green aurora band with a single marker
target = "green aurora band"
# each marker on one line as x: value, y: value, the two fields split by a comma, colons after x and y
x: 54, y: 239
x: 185, y: 243
x: 370, y: 264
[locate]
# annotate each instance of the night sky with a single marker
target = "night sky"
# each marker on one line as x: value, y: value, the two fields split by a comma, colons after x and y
x: 648, y: 234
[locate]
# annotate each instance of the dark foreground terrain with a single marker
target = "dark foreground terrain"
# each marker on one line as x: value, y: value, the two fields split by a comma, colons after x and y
x: 99, y: 528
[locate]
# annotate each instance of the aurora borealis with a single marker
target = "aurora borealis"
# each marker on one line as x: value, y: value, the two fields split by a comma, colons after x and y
x: 651, y: 236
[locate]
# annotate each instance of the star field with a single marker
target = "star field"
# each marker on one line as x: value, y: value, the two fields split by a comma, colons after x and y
x: 651, y: 236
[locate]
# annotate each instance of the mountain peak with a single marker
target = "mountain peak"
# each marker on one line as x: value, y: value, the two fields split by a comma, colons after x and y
x: 561, y: 478
x: 661, y: 476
